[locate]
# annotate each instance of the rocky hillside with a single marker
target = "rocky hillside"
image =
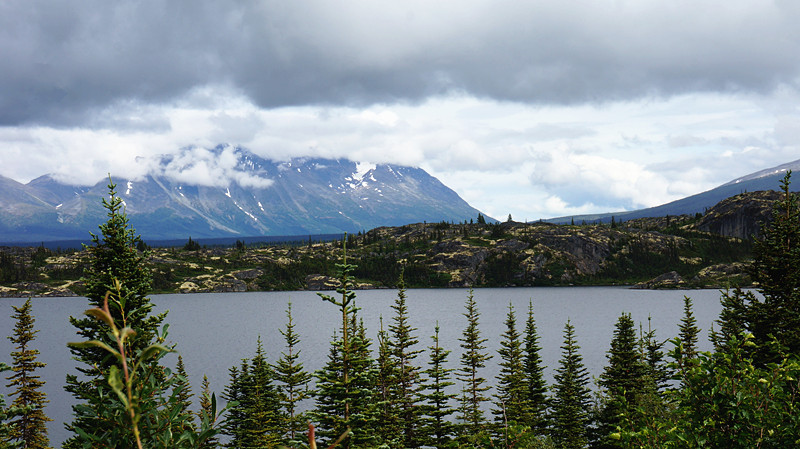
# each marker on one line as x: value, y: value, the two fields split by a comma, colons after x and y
x: 432, y: 254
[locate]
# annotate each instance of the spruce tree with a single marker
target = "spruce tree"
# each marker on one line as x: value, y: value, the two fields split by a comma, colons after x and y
x: 387, y: 379
x: 29, y: 428
x: 688, y: 331
x: 571, y: 402
x: 408, y: 386
x: 776, y: 271
x: 264, y: 423
x: 233, y: 393
x: 473, y: 359
x: 206, y: 414
x: 439, y: 430
x: 510, y: 400
x: 732, y: 319
x: 536, y: 403
x: 346, y: 386
x: 624, y: 380
x: 653, y: 354
x: 183, y: 390
x: 117, y: 270
x: 7, y: 414
x: 292, y: 380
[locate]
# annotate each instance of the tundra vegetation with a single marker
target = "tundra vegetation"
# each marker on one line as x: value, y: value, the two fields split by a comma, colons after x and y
x: 376, y: 393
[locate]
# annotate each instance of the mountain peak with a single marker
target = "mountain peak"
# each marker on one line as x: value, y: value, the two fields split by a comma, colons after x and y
x: 229, y: 191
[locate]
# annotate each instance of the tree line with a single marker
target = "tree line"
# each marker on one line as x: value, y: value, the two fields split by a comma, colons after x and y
x: 395, y: 391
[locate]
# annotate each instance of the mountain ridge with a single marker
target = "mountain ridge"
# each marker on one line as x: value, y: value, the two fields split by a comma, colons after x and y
x: 301, y: 196
x: 767, y: 179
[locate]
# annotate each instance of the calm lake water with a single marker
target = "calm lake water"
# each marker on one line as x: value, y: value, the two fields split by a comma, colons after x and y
x: 216, y: 331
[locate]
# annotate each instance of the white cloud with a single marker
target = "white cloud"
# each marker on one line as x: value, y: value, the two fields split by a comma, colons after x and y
x: 532, y: 162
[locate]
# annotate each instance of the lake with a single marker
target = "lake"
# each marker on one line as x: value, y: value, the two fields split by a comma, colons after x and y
x: 216, y: 331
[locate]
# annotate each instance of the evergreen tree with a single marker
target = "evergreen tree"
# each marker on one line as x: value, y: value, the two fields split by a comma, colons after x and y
x: 387, y: 379
x: 263, y: 423
x: 408, y: 386
x: 233, y: 394
x: 624, y: 380
x: 237, y: 425
x: 776, y: 271
x: 346, y: 393
x: 7, y: 414
x: 29, y: 428
x: 207, y: 405
x: 732, y: 319
x: 653, y: 355
x: 439, y: 429
x: 571, y: 403
x: 536, y: 403
x: 473, y: 359
x: 115, y: 266
x: 688, y: 331
x: 292, y: 380
x: 511, y: 383
x: 183, y: 390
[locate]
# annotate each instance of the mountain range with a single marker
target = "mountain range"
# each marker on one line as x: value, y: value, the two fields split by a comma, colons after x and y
x: 239, y: 195
x: 768, y: 179
x: 252, y: 196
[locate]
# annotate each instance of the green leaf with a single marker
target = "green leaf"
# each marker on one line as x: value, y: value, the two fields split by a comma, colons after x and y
x: 116, y: 384
x: 93, y: 343
x: 100, y: 315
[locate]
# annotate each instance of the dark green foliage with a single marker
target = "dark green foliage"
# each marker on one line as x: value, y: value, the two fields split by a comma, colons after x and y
x: 191, y: 245
x: 510, y: 400
x: 115, y: 265
x: 407, y: 383
x: 624, y: 382
x: 346, y: 386
x: 292, y: 380
x: 206, y: 414
x: 688, y: 330
x: 11, y: 270
x: 571, y: 402
x: 254, y: 420
x: 29, y: 428
x: 388, y: 415
x: 733, y: 317
x: 7, y: 414
x: 473, y: 360
x: 776, y: 269
x: 438, y: 427
x: 183, y: 392
x: 139, y: 402
x: 536, y: 388
x: 726, y: 400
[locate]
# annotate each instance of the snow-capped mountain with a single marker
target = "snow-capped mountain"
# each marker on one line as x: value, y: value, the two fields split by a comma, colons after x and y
x: 234, y: 193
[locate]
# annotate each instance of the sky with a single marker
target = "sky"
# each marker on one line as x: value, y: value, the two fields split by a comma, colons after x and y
x: 535, y: 109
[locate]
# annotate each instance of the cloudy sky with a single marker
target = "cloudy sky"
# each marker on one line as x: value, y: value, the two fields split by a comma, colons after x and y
x: 534, y: 108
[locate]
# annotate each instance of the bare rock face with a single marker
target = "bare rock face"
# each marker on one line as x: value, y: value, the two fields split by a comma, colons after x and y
x: 320, y: 282
x: 739, y: 216
x: 666, y: 280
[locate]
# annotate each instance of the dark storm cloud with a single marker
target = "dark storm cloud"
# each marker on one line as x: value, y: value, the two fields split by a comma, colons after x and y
x: 65, y: 63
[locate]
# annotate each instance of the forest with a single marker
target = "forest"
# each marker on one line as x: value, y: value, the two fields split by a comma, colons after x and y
x: 393, y: 390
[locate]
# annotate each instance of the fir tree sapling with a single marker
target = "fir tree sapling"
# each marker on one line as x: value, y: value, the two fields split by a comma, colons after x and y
x: 536, y: 402
x: 473, y: 360
x: 29, y: 428
x: 511, y: 387
x: 292, y: 380
x: 571, y: 402
x: 438, y: 426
